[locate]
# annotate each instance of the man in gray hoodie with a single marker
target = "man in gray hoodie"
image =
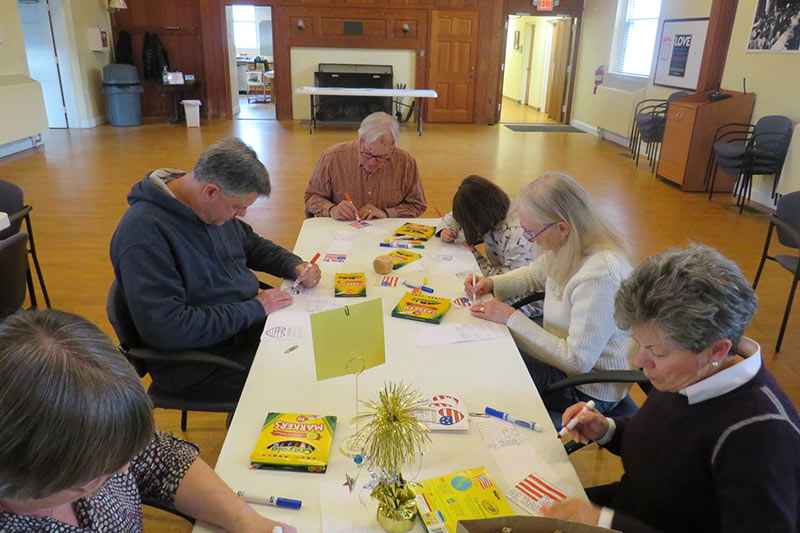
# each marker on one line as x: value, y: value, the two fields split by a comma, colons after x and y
x: 183, y: 261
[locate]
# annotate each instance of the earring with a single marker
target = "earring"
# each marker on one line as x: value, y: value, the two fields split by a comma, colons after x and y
x: 715, y: 363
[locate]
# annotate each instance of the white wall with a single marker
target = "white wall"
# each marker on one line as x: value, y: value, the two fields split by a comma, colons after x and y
x: 305, y: 61
x: 262, y: 13
x: 516, y: 60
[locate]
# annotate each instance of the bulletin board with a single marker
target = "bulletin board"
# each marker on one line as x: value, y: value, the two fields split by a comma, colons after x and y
x: 680, y: 53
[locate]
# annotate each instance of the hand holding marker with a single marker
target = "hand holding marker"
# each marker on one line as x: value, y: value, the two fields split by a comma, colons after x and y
x: 308, y: 266
x: 576, y: 419
x: 347, y: 197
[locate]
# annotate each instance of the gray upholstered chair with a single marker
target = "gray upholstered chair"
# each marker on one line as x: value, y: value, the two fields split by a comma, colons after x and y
x: 14, y: 269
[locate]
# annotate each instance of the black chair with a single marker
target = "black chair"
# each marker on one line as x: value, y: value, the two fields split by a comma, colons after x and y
x: 131, y: 346
x: 745, y: 150
x: 11, y: 203
x: 14, y: 268
x: 649, y: 121
x: 786, y: 221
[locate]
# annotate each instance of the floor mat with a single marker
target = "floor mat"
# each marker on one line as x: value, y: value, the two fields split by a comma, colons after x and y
x: 559, y: 128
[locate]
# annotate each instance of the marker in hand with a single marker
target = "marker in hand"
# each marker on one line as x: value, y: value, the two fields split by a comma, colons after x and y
x: 308, y: 266
x: 576, y: 419
x: 347, y: 197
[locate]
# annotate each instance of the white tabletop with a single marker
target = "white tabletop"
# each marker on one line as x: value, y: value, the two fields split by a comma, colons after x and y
x: 353, y: 91
x: 4, y: 223
x: 489, y: 372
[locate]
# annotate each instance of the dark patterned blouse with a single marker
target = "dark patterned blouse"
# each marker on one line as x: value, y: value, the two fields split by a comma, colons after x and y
x: 155, y: 473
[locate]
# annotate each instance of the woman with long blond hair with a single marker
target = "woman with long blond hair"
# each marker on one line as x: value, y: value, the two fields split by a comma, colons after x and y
x: 581, y: 270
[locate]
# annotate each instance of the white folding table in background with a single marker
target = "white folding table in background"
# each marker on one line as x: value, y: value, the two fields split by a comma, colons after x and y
x: 483, y: 373
x: 417, y: 94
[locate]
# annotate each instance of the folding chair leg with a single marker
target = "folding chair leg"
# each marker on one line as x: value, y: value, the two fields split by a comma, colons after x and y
x: 35, y: 257
x: 31, y: 292
x: 763, y: 256
x: 713, y: 179
x: 183, y: 420
x: 786, y: 314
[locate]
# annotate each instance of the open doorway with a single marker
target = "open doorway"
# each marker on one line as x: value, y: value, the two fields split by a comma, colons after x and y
x: 43, y: 31
x: 249, y: 30
x: 537, y: 69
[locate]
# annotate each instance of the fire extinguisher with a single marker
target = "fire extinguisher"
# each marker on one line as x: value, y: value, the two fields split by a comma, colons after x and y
x: 598, y: 77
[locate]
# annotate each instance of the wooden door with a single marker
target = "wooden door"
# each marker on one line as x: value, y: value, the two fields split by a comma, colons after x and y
x: 557, y: 75
x: 529, y: 67
x: 453, y: 52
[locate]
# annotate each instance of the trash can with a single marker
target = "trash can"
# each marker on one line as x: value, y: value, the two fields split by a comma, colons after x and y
x: 191, y: 108
x: 123, y: 91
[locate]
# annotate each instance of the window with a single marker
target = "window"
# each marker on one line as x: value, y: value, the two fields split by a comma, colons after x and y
x: 244, y: 27
x: 638, y: 37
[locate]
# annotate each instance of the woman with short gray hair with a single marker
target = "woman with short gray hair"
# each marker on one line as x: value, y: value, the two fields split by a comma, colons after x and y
x: 79, y: 448
x: 715, y: 445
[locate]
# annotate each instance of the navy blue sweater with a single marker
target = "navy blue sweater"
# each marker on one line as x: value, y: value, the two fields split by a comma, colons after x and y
x: 730, y: 463
x: 188, y: 284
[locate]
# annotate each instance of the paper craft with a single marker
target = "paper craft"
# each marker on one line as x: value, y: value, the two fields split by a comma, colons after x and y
x: 535, y: 495
x: 360, y: 224
x: 422, y: 307
x: 317, y: 304
x: 445, y: 500
x: 462, y: 302
x: 402, y: 257
x: 290, y: 441
x: 446, y: 413
x: 354, y: 332
x: 350, y: 285
x: 446, y: 263
x: 388, y: 281
x: 286, y: 325
x: 335, y: 258
x: 422, y: 232
x: 454, y: 333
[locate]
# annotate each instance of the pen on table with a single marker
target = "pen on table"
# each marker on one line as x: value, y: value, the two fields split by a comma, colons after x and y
x: 405, y: 240
x: 576, y: 419
x: 513, y: 419
x: 274, y: 501
x: 401, y: 245
x: 420, y: 287
x: 314, y: 260
x: 347, y: 197
x: 473, y: 284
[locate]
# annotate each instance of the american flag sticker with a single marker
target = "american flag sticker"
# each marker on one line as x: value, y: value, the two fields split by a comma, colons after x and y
x: 335, y: 258
x: 537, y: 495
x: 389, y: 281
x: 449, y: 416
x: 484, y: 481
x: 462, y: 302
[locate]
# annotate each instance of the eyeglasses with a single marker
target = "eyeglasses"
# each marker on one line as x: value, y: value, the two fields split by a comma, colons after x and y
x: 370, y: 155
x: 532, y: 236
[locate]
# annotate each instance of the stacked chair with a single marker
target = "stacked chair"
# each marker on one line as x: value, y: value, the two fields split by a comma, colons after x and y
x: 649, y: 120
x: 745, y: 150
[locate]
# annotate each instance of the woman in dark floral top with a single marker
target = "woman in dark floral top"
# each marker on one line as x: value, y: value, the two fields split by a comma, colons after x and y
x: 79, y: 448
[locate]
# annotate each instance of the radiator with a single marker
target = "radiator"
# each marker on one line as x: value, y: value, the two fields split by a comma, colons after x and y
x: 614, y: 108
x: 22, y: 112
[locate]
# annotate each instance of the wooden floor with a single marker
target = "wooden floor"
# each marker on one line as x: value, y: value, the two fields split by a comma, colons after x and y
x: 78, y: 180
x: 515, y: 113
x: 256, y: 110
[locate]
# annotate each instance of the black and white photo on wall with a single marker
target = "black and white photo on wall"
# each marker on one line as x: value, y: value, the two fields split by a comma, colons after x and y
x: 776, y: 27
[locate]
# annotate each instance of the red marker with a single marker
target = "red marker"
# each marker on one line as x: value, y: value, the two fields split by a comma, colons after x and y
x: 347, y: 197
x: 313, y: 261
x: 438, y: 212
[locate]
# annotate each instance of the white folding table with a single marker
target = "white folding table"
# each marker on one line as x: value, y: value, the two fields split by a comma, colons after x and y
x: 483, y: 373
x: 417, y: 94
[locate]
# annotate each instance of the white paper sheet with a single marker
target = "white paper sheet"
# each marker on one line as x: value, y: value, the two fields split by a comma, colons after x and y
x: 453, y: 333
x: 341, y: 511
x: 315, y: 304
x: 286, y: 325
x: 447, y: 263
x: 517, y: 459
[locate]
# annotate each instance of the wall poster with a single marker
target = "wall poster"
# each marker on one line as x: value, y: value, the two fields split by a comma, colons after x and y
x: 776, y: 27
x: 680, y: 53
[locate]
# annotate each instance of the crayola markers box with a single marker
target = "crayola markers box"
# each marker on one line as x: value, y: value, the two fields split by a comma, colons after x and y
x: 290, y: 441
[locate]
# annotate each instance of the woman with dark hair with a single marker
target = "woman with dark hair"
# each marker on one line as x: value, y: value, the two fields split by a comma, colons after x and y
x: 79, y: 447
x: 483, y: 213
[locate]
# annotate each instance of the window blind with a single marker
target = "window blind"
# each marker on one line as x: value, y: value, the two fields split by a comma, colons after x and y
x: 641, y: 27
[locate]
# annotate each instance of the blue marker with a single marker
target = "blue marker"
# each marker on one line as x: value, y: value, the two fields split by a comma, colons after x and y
x: 273, y: 501
x: 421, y: 287
x: 517, y: 421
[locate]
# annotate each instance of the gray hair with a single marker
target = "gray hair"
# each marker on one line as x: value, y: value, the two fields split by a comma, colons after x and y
x: 377, y: 125
x: 72, y: 408
x: 234, y: 167
x: 692, y: 297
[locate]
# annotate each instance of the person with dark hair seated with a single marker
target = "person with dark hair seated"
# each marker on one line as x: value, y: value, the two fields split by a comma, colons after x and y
x: 715, y: 445
x: 483, y: 213
x: 79, y: 447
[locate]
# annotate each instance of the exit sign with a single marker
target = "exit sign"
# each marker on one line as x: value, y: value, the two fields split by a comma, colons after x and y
x: 545, y: 5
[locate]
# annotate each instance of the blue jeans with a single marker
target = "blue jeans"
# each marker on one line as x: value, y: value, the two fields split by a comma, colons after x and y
x: 544, y: 374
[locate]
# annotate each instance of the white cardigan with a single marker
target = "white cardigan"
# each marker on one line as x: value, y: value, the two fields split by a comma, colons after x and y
x: 579, y: 333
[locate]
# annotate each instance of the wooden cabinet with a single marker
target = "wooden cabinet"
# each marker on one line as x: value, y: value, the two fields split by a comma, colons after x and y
x: 691, y: 124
